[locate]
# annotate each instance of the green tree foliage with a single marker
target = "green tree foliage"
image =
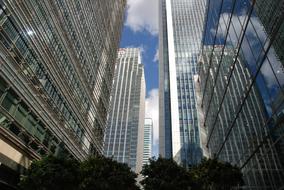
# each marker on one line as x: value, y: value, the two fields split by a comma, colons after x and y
x: 210, y: 174
x: 213, y: 174
x: 99, y: 173
x: 52, y: 173
x: 96, y: 173
x: 165, y: 174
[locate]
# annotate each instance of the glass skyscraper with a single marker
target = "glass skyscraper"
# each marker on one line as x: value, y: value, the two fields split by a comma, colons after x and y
x: 278, y: 122
x: 125, y: 124
x: 181, y: 25
x: 56, y: 69
x: 237, y: 146
x: 268, y: 10
x: 241, y: 91
x: 148, y: 140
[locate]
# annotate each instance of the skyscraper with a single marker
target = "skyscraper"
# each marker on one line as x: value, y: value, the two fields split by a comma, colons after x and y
x: 241, y: 85
x: 55, y: 77
x: 148, y: 140
x: 278, y: 121
x: 181, y: 25
x: 248, y: 134
x: 124, y: 134
x: 268, y: 10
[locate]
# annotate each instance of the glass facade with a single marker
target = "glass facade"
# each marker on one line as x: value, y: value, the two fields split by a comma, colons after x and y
x: 267, y: 10
x: 165, y: 131
x: 241, y: 91
x: 181, y: 26
x: 56, y: 74
x: 125, y: 124
x: 148, y: 140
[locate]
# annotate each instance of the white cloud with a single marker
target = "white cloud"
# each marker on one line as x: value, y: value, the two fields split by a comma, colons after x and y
x: 156, y: 57
x: 234, y: 32
x: 255, y: 43
x: 142, y: 49
x: 273, y: 72
x: 268, y: 73
x: 152, y: 111
x: 142, y: 15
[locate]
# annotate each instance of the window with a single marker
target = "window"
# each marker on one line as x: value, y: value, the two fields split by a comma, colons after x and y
x: 3, y: 86
x: 3, y: 121
x: 21, y: 113
x: 39, y: 132
x: 21, y: 46
x: 14, y: 129
x: 30, y: 124
x: 9, y: 102
x: 9, y: 29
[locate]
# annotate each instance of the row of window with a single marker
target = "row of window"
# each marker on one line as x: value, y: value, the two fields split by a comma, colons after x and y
x: 34, y: 66
x: 27, y: 127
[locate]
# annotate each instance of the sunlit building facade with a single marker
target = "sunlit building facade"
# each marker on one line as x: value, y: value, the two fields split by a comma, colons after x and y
x: 125, y: 125
x: 181, y: 25
x: 55, y: 77
x: 240, y: 87
x: 148, y: 140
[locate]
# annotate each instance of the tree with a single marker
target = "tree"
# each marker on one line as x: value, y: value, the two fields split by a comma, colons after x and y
x: 96, y: 173
x: 100, y: 173
x: 52, y: 173
x: 213, y: 174
x: 165, y: 174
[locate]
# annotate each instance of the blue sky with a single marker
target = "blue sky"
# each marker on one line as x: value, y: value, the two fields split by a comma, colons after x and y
x: 148, y: 44
x: 141, y: 30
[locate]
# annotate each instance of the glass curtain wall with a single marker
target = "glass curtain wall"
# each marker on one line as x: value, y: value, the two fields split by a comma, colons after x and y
x: 241, y: 80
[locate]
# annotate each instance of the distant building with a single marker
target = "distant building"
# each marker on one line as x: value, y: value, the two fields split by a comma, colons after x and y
x: 180, y: 36
x: 56, y: 73
x: 125, y: 126
x: 148, y: 140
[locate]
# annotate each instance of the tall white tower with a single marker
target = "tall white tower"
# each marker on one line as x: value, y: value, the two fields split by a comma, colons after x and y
x: 125, y: 126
